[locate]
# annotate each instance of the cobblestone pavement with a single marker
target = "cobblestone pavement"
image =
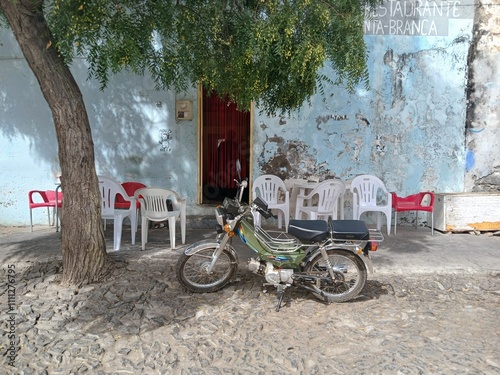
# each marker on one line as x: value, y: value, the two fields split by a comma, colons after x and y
x: 140, y: 321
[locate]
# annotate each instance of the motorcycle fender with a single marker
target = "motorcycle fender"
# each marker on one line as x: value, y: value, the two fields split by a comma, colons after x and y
x: 368, y: 262
x: 207, y: 244
x: 366, y: 259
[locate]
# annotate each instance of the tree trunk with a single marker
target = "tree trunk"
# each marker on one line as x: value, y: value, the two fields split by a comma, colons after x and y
x: 82, y: 237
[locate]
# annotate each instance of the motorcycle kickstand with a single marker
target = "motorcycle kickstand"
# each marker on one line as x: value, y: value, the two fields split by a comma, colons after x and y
x: 281, y: 293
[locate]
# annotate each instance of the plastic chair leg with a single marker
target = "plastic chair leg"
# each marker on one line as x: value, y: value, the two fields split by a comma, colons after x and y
x: 117, y: 232
x: 183, y: 229
x: 297, y: 213
x: 280, y: 219
x: 171, y: 229
x: 144, y: 232
x: 137, y: 217
x: 379, y: 220
x: 133, y: 225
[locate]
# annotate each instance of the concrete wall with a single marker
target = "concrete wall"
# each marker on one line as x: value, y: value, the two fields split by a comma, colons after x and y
x: 136, y: 135
x: 483, y: 114
x: 409, y: 128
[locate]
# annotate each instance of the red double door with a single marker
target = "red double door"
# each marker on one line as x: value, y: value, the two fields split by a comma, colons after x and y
x: 226, y: 139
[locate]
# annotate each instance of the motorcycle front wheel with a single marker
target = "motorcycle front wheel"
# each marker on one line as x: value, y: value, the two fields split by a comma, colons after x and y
x: 349, y: 275
x: 192, y: 270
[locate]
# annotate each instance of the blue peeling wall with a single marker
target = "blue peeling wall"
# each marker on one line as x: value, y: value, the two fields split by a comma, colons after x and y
x: 408, y: 129
x: 416, y: 127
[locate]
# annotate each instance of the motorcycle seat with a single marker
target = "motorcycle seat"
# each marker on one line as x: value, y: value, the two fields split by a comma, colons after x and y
x: 308, y: 230
x: 350, y: 230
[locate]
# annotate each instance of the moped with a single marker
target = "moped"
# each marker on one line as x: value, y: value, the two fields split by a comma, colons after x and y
x: 330, y: 258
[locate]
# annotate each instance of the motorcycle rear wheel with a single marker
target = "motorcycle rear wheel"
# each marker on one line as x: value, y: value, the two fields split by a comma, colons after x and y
x: 191, y: 270
x: 350, y: 275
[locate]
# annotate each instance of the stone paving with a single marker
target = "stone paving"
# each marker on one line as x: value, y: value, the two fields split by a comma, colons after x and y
x: 141, y: 321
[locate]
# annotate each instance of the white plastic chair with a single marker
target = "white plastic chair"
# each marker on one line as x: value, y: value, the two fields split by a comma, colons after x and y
x: 272, y: 190
x: 369, y: 194
x: 109, y: 188
x: 322, y: 201
x: 154, y: 207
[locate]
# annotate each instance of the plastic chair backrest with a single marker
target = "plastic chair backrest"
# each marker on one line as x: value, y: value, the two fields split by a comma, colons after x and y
x: 109, y: 189
x: 36, y: 202
x: 414, y: 201
x: 328, y: 193
x: 48, y: 198
x: 130, y: 187
x: 367, y: 189
x: 51, y: 195
x: 268, y: 188
x: 155, y: 202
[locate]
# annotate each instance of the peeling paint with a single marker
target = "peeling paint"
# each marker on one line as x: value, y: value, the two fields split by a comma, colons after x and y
x: 486, y: 225
x: 490, y: 182
x: 361, y: 120
x: 293, y: 160
x: 482, y: 122
x: 9, y: 203
x: 379, y: 146
x: 358, y: 142
x: 325, y: 119
x: 481, y: 226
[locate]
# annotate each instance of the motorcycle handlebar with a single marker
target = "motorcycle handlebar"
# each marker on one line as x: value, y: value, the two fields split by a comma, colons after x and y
x: 243, y: 183
x: 262, y: 208
x: 267, y: 214
x: 258, y: 203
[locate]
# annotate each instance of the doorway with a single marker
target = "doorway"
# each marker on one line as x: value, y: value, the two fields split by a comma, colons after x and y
x: 225, y: 139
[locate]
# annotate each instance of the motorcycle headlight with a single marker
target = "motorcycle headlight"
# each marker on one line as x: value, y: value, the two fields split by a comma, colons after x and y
x: 221, y: 216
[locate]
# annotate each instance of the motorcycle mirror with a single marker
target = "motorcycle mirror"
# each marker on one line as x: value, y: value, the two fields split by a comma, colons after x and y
x: 238, y: 168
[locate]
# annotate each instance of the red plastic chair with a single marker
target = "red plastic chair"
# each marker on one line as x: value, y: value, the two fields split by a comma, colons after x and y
x: 414, y: 202
x: 41, y: 199
x: 130, y: 188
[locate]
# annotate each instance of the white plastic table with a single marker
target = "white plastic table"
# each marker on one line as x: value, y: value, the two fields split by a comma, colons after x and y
x: 301, y: 187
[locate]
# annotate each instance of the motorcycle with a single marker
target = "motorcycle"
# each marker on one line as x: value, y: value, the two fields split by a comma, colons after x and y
x: 330, y: 258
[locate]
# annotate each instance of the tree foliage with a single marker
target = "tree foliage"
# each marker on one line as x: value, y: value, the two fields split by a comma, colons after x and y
x: 267, y: 51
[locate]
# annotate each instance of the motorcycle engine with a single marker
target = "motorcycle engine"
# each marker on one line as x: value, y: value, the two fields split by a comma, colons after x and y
x: 272, y: 275
x: 255, y: 266
x: 277, y: 276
